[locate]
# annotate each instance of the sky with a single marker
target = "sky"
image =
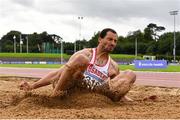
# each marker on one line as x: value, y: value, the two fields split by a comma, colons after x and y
x: 61, y: 16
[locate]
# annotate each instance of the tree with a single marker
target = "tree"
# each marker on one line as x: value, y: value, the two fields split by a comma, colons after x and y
x: 7, y: 41
x: 131, y: 41
x: 93, y: 41
x: 118, y: 49
x: 152, y: 48
x: 166, y: 43
x: 178, y: 43
x: 68, y: 47
x: 150, y: 32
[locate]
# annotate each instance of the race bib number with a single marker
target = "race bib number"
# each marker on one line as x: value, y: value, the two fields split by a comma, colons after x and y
x: 91, y: 83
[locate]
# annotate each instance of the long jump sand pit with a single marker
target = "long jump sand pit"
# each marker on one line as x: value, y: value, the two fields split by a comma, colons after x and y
x: 149, y: 102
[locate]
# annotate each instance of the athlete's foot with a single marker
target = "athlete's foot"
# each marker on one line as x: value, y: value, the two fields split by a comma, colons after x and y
x: 24, y: 85
x: 126, y: 99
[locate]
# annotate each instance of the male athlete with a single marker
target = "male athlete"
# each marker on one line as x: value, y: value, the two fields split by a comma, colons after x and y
x: 90, y: 68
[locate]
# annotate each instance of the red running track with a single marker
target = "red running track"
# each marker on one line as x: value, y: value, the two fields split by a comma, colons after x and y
x: 163, y: 79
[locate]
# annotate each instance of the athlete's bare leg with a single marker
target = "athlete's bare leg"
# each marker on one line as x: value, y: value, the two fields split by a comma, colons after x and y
x: 118, y: 87
x: 66, y: 76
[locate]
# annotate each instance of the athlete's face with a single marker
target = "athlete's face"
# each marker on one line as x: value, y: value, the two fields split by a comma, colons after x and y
x: 109, y: 42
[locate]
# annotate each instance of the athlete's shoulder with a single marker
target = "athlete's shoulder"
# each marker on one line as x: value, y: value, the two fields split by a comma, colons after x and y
x: 114, y: 65
x: 113, y: 62
x: 86, y: 52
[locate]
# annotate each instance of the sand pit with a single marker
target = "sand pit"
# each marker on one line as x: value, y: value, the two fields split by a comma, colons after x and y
x: 149, y: 102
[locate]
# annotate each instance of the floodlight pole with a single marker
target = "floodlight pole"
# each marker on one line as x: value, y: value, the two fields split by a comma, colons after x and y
x: 61, y: 51
x: 174, y: 49
x: 80, y: 18
x: 136, y: 48
x: 27, y: 48
x: 20, y: 43
x: 75, y: 46
x: 14, y: 37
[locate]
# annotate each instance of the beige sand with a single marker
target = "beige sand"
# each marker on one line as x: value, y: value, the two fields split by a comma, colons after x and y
x: 150, y: 102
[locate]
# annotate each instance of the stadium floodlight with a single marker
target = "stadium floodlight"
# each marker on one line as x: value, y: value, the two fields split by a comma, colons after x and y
x: 27, y: 48
x: 174, y: 13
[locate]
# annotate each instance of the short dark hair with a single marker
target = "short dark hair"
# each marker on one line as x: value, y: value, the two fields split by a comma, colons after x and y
x: 104, y: 32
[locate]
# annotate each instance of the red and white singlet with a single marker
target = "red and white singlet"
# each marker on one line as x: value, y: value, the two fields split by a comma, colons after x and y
x: 96, y: 75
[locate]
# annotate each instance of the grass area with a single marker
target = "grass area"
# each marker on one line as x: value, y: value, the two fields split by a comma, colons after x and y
x: 57, y: 55
x: 124, y: 56
x: 32, y: 55
x: 171, y: 68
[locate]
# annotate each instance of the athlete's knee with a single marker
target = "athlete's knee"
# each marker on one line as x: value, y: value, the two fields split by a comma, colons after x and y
x: 56, y: 73
x: 131, y: 75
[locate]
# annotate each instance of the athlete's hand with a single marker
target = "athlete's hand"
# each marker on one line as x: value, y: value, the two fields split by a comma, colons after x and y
x: 24, y: 85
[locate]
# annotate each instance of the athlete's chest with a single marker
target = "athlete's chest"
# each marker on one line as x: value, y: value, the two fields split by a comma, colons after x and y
x: 97, y: 73
x: 95, y: 76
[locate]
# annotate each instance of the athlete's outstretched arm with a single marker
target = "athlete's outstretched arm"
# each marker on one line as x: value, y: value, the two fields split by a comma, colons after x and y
x: 73, y: 70
x: 46, y: 80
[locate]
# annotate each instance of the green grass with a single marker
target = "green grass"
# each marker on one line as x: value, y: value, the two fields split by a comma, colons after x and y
x: 171, y: 68
x: 52, y: 55
x: 32, y: 55
x: 124, y: 56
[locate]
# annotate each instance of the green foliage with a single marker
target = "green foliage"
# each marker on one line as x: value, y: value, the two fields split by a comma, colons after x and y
x: 152, y: 48
x: 166, y: 44
x: 93, y: 41
x: 167, y: 57
x: 148, y: 42
x: 32, y: 55
x: 80, y: 44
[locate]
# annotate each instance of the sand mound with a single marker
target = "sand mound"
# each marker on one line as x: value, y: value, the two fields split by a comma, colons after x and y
x: 149, y: 102
x: 75, y: 101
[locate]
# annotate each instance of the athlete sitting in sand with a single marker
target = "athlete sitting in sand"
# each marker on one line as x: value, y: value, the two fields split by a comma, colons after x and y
x: 90, y: 68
